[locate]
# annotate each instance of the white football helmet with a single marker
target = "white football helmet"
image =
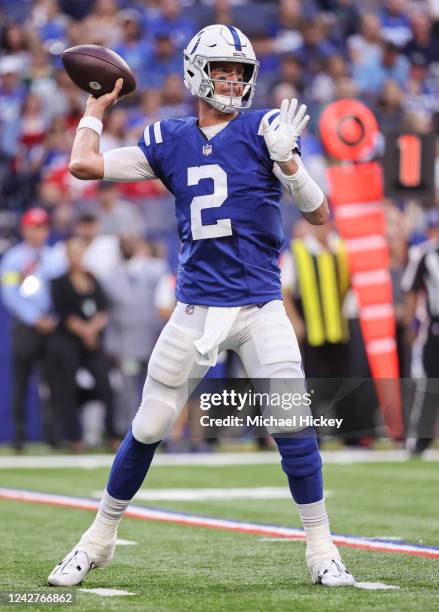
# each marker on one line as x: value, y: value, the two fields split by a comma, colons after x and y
x: 220, y: 43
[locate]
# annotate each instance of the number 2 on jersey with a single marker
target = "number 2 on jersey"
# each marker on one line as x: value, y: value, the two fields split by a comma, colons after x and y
x: 222, y: 227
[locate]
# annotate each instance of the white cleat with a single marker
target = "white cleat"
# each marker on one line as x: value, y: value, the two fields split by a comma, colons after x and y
x: 331, y: 573
x: 72, y: 569
x: 87, y: 554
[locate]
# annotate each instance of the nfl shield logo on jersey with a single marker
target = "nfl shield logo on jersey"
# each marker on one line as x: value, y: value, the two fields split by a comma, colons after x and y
x: 207, y: 149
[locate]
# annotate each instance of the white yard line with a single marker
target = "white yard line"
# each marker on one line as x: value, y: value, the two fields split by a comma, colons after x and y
x: 122, y: 542
x: 107, y: 592
x: 343, y: 457
x: 375, y: 586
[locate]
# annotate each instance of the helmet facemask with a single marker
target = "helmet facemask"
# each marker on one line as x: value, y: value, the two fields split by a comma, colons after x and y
x: 206, y: 87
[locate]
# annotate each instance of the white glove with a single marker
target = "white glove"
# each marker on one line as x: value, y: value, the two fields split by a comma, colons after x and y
x: 283, y: 140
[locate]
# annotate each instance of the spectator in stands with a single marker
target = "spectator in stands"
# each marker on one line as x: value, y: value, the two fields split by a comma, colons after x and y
x: 102, y: 23
x: 365, y: 46
x: 115, y: 130
x: 285, y: 32
x: 315, y: 48
x: 81, y: 306
x: 26, y: 271
x: 389, y: 109
x: 371, y: 75
x: 102, y: 252
x: 222, y: 13
x: 165, y: 59
x: 79, y: 33
x: 133, y: 47
x: 291, y: 72
x: 421, y: 93
x: 171, y: 19
x: 324, y: 86
x: 48, y: 20
x: 423, y: 42
x: 16, y: 43
x: 12, y: 95
x: 114, y: 215
x: 148, y: 112
x: 134, y: 324
x: 175, y: 102
x: 395, y: 25
x: 33, y: 125
x: 345, y: 19
x: 41, y: 79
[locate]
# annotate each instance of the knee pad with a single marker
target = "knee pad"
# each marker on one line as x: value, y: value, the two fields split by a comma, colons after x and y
x: 158, y: 410
x: 173, y: 357
x: 300, y: 454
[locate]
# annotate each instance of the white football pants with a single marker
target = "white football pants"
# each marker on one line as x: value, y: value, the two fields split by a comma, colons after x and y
x: 263, y: 338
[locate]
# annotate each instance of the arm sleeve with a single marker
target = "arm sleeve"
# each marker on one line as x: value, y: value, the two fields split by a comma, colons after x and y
x: 126, y: 164
x: 307, y: 195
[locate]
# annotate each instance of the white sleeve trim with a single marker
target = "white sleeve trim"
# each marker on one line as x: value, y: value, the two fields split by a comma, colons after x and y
x: 147, y: 136
x: 158, y: 133
x: 126, y: 164
x: 307, y: 195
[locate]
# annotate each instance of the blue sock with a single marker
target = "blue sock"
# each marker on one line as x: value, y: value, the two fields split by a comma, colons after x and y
x: 302, y: 464
x: 130, y: 467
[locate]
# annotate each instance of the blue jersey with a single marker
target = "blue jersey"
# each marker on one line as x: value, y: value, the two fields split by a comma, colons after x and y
x: 227, y: 203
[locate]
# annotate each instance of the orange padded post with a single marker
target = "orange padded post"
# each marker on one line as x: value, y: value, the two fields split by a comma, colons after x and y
x: 348, y: 131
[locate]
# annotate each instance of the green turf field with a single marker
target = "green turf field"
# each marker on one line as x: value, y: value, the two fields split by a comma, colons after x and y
x: 183, y: 568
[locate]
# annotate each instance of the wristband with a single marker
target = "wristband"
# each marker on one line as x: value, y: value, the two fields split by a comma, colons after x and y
x: 93, y: 123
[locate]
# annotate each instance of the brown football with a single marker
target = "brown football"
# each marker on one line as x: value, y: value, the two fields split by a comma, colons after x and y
x: 95, y: 69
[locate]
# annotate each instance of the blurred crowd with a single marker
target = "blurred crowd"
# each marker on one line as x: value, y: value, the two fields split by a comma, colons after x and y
x: 385, y: 53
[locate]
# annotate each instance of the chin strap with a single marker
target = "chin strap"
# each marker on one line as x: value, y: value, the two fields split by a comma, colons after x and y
x: 225, y: 104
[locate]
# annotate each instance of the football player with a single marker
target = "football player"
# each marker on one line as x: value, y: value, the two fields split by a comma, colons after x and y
x: 226, y: 169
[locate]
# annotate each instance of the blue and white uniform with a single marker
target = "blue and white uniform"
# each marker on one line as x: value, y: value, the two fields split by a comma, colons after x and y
x: 228, y: 288
x: 227, y: 204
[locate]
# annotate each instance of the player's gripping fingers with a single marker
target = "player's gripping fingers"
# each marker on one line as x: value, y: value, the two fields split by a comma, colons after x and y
x: 114, y: 95
x: 107, y: 99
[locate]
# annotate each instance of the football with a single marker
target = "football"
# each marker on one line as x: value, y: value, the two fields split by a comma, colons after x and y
x: 95, y: 69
